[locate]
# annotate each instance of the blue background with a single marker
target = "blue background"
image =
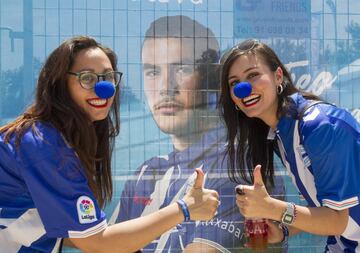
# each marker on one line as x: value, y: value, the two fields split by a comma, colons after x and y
x: 319, y: 40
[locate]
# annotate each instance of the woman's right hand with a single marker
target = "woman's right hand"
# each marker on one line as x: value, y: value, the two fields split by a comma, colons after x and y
x: 202, y: 203
x: 131, y: 235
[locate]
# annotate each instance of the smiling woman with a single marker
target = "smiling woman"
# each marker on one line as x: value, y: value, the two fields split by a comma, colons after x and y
x: 81, y: 87
x: 55, y: 162
x: 317, y: 142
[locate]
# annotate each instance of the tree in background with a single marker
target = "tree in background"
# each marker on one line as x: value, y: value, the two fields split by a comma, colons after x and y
x: 346, y: 51
x: 12, y: 83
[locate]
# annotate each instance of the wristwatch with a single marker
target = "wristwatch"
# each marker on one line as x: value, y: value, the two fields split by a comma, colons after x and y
x: 289, y: 214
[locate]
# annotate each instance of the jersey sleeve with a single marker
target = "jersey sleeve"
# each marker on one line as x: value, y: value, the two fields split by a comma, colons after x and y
x: 58, y: 186
x: 333, y: 145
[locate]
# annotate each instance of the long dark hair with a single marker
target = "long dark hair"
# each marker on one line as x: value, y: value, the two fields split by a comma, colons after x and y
x: 247, y: 137
x: 92, y: 141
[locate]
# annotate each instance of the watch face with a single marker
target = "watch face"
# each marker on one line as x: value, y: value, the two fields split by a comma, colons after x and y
x: 288, y: 219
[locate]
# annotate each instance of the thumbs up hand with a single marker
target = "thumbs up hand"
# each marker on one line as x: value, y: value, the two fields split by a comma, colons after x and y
x: 199, y: 181
x: 202, y: 203
x: 255, y: 200
x: 258, y: 180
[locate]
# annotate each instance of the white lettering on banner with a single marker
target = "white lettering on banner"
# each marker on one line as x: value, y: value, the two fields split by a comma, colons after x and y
x: 179, y: 1
x: 324, y: 80
x: 288, y: 6
x: 224, y: 225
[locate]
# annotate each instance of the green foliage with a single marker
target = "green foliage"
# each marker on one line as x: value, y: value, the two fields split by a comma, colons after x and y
x: 346, y: 51
x: 12, y: 85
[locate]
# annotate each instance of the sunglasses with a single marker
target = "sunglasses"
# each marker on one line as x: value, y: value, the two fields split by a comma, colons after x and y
x: 244, y: 47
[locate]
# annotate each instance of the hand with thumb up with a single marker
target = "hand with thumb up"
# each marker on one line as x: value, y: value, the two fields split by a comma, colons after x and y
x: 202, y: 203
x: 254, y: 200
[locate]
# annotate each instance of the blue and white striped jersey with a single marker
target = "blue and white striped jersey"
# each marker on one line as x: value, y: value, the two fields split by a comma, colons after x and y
x: 163, y: 180
x: 321, y: 152
x: 44, y: 194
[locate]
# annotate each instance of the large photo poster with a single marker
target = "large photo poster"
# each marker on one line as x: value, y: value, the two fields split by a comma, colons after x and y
x: 169, y: 52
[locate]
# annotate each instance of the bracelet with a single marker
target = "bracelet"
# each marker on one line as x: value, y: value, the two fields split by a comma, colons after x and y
x: 285, y: 232
x: 184, y: 209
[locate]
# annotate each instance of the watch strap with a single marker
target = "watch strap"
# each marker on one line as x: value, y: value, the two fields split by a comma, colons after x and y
x: 289, y: 214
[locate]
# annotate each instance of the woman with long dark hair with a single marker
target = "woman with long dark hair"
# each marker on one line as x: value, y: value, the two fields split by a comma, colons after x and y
x: 318, y: 143
x: 55, y: 162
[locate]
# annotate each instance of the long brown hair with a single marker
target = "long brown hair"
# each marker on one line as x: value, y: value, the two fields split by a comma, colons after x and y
x: 250, y: 134
x: 92, y: 141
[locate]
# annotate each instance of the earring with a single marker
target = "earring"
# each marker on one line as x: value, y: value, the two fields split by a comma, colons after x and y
x: 280, y: 89
x: 237, y: 107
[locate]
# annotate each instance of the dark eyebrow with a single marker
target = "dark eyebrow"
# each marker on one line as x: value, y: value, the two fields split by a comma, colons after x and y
x: 86, y: 70
x: 249, y: 69
x: 181, y: 62
x: 108, y: 70
x: 184, y: 61
x: 149, y: 66
x: 93, y: 71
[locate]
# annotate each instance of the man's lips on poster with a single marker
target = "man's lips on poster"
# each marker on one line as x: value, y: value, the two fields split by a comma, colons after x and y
x: 168, y: 107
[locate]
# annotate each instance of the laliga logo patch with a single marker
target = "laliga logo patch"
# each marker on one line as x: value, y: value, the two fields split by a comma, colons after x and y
x: 86, y: 210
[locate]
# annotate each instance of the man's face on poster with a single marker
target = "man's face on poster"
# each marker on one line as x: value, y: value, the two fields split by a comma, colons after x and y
x: 172, y: 83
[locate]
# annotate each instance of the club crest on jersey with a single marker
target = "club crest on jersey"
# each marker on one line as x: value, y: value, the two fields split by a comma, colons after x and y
x: 86, y: 210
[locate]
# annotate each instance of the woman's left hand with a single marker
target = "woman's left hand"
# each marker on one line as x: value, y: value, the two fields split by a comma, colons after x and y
x: 255, y: 202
